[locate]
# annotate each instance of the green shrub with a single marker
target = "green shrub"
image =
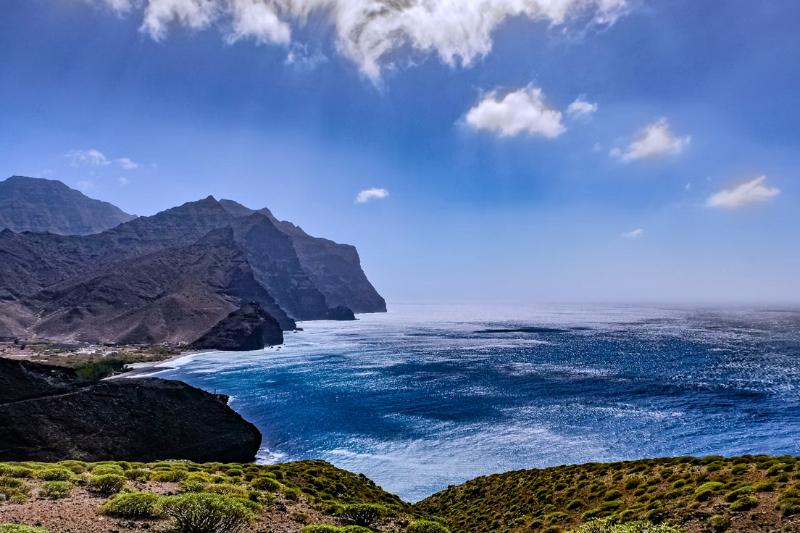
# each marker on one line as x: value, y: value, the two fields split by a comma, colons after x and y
x: 138, y: 474
x: 426, y: 526
x: 168, y: 476
x: 106, y: 484
x: 7, y: 470
x: 55, y: 474
x: 56, y: 489
x: 14, y: 489
x: 133, y: 505
x: 19, y: 528
x: 707, y: 490
x: 321, y: 528
x: 105, y: 469
x: 744, y: 503
x: 605, y: 526
x: 206, y: 513
x: 719, y: 522
x: 266, y: 484
x: 363, y: 514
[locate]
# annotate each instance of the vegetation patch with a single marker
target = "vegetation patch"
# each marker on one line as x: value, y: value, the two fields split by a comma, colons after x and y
x: 133, y: 505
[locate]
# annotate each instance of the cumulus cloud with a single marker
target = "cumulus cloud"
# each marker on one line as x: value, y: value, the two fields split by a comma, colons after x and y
x: 90, y: 157
x: 752, y: 192
x: 655, y: 140
x: 581, y: 108
x: 371, y: 194
x: 368, y: 31
x: 521, y: 111
x: 637, y: 233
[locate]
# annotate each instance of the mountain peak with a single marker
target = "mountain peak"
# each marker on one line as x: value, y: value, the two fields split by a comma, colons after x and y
x: 49, y: 206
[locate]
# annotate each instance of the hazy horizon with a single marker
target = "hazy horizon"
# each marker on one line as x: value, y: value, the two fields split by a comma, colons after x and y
x: 620, y: 151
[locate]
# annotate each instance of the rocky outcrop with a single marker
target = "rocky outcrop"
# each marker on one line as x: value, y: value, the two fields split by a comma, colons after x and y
x: 50, y: 416
x: 247, y: 328
x: 49, y: 206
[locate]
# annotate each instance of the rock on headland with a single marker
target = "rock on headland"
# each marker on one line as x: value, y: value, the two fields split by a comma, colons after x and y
x: 247, y: 328
x: 47, y: 414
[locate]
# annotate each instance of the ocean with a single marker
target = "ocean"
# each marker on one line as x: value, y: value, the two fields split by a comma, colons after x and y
x: 431, y: 395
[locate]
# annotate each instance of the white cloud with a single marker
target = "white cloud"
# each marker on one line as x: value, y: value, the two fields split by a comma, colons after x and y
x: 368, y: 31
x: 638, y: 233
x: 520, y: 111
x: 85, y: 185
x: 371, y: 194
x: 655, y: 140
x: 581, y: 108
x: 122, y: 181
x: 755, y: 191
x: 91, y: 157
x: 127, y: 163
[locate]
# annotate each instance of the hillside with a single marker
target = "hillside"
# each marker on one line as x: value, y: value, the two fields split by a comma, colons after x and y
x: 748, y: 493
x: 76, y: 496
x: 49, y: 206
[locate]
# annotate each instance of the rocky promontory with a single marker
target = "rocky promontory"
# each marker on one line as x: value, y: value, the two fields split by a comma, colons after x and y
x: 49, y: 414
x: 247, y: 328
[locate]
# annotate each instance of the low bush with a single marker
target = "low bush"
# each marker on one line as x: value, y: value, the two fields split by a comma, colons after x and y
x: 168, y: 476
x: 719, y: 522
x: 105, y: 469
x: 363, y: 514
x: 266, y: 484
x: 106, y: 484
x: 426, y: 526
x: 7, y: 470
x: 55, y: 474
x: 206, y: 513
x: 745, y: 503
x: 133, y: 505
x: 56, y: 489
x: 327, y: 528
x: 19, y: 528
x: 605, y: 526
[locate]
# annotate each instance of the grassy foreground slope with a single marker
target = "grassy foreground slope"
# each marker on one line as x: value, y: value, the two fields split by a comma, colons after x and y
x: 748, y: 493
x: 185, y: 497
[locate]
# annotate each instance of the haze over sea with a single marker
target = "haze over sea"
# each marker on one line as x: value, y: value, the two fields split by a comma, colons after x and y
x: 430, y: 395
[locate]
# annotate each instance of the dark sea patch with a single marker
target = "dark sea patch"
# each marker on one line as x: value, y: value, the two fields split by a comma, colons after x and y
x: 526, y: 329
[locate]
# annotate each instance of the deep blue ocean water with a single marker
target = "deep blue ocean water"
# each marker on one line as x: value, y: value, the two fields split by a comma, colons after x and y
x: 424, y: 396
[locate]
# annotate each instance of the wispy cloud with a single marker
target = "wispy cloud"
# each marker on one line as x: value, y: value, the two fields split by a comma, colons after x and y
x: 90, y: 157
x: 127, y: 163
x: 523, y: 111
x: 368, y: 32
x: 581, y: 108
x: 122, y: 181
x: 637, y: 233
x: 747, y: 193
x: 371, y: 194
x: 655, y: 140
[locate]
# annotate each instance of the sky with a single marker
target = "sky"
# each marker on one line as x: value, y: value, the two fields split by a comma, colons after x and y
x: 473, y: 151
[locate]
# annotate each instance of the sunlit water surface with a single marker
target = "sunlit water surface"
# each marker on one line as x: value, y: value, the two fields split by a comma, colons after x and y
x: 423, y: 397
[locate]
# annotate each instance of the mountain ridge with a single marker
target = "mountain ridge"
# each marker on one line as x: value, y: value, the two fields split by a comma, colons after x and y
x: 42, y: 205
x: 200, y: 260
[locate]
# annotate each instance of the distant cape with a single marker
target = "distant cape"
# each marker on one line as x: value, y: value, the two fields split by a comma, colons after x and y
x: 173, y: 276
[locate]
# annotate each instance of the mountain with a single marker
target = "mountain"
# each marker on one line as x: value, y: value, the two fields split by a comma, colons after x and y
x: 173, y: 276
x: 40, y: 205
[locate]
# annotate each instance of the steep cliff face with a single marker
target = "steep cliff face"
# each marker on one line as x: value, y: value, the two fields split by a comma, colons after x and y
x: 172, y: 276
x: 46, y: 414
x: 33, y: 204
x: 333, y: 268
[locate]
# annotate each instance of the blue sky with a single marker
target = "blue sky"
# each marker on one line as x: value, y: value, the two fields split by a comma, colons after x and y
x: 674, y: 178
